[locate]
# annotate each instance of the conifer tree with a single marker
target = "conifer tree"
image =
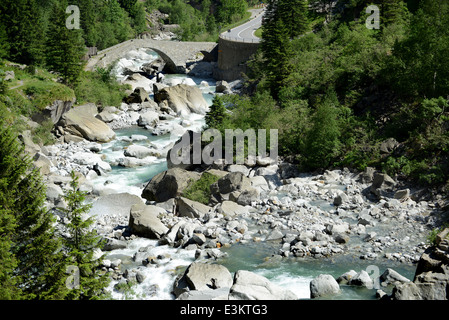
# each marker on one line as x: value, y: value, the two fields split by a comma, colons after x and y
x: 81, y: 245
x: 65, y: 47
x: 32, y: 264
x: 276, y: 48
x: 24, y: 29
x: 216, y: 114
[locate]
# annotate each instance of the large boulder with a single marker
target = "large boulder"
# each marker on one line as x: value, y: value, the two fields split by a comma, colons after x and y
x: 323, y: 285
x: 54, y: 111
x: 234, y: 181
x: 144, y: 221
x: 148, y: 118
x: 138, y: 96
x: 431, y: 281
x: 231, y: 209
x: 250, y: 286
x: 80, y: 121
x: 203, y: 276
x: 169, y: 184
x: 183, y: 99
x: 140, y: 152
x: 190, y: 208
x: 118, y: 204
x: 382, y: 185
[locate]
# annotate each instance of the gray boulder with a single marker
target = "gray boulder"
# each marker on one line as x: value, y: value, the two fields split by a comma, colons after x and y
x: 250, y: 286
x: 192, y: 209
x: 362, y: 279
x: 391, y: 276
x: 203, y: 276
x: 148, y: 118
x: 80, y: 121
x: 144, y: 221
x: 382, y: 185
x: 323, y: 285
x: 118, y: 205
x: 207, y: 294
x: 138, y: 96
x: 114, y: 244
x: 139, y: 152
x: 168, y: 184
x: 231, y: 209
x: 183, y: 99
x: 234, y: 181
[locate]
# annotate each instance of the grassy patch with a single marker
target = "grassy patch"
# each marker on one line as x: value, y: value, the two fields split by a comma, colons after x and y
x: 200, y: 190
x: 258, y: 33
x: 98, y: 88
x: 33, y: 89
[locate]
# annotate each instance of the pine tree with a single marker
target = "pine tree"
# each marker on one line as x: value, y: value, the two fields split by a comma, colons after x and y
x: 65, y: 47
x: 24, y: 29
x: 81, y: 246
x: 322, y: 141
x: 276, y: 48
x: 294, y: 14
x: 216, y: 114
x: 32, y: 265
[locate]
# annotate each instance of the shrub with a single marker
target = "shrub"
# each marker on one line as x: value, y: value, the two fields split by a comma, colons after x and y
x: 200, y: 190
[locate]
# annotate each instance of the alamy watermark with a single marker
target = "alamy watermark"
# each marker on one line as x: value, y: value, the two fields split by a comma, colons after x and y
x: 189, y: 149
x: 373, y: 21
x: 73, y: 20
x: 73, y: 280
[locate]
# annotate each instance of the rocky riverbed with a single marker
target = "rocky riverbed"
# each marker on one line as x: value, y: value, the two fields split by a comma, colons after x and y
x: 161, y: 245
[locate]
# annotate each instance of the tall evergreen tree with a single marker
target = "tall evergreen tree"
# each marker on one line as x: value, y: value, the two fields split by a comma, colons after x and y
x: 32, y: 264
x: 24, y: 29
x: 276, y: 47
x: 65, y: 47
x: 81, y: 245
x: 294, y: 14
x: 216, y: 114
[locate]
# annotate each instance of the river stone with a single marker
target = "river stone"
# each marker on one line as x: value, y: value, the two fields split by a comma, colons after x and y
x: 206, y: 294
x: 118, y: 205
x: 248, y: 196
x: 168, y: 184
x: 183, y: 99
x: 201, y: 276
x: 250, y: 286
x: 346, y: 277
x: 382, y: 184
x: 148, y: 118
x: 230, y: 209
x: 114, y: 244
x: 323, y: 285
x: 80, y: 121
x: 144, y: 221
x: 362, y: 279
x: 391, y: 276
x: 192, y: 209
x: 139, y: 152
x: 234, y: 181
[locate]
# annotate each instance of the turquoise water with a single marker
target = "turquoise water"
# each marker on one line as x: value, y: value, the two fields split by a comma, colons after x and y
x: 295, y: 274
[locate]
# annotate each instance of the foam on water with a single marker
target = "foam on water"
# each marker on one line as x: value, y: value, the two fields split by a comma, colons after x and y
x: 158, y: 279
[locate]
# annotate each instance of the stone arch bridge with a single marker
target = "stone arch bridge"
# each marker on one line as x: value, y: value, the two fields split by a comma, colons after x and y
x: 174, y: 53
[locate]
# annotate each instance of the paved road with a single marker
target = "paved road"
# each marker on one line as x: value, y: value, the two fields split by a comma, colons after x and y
x: 245, y: 32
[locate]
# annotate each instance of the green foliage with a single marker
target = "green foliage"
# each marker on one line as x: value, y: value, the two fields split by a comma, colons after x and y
x: 32, y: 264
x: 81, y: 245
x: 216, y: 114
x: 65, y: 47
x: 322, y: 141
x: 199, y: 190
x: 97, y: 88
